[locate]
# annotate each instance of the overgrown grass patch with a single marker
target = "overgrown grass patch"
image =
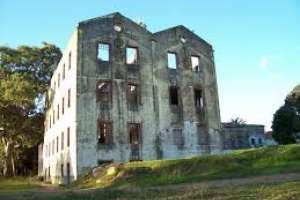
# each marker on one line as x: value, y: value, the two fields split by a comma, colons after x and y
x: 19, y: 183
x: 241, y: 163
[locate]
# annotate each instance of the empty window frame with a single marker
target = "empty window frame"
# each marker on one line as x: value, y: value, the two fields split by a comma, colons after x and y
x: 57, y: 143
x: 58, y: 80
x: 49, y: 172
x: 57, y: 111
x: 103, y: 50
x: 70, y: 60
x: 62, y: 170
x: 131, y: 55
x: 68, y: 136
x: 198, y: 97
x: 104, y: 91
x: 173, y: 92
x: 132, y: 94
x: 260, y: 141
x: 104, y: 132
x: 68, y: 173
x: 69, y: 98
x: 63, y: 105
x: 172, y: 60
x: 64, y: 72
x: 53, y: 114
x: 195, y: 61
x: 134, y: 130
x: 62, y: 140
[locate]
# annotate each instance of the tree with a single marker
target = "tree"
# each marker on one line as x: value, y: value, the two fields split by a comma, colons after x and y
x: 237, y: 121
x: 25, y: 75
x: 286, y: 120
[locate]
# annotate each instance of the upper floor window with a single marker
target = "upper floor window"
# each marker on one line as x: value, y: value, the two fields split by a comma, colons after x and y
x: 64, y: 72
x: 131, y: 55
x: 69, y: 98
x: 132, y: 94
x: 173, y: 95
x: 57, y: 111
x: 70, y: 60
x: 68, y: 136
x: 172, y: 61
x: 198, y: 97
x: 105, y: 133
x: 104, y: 91
x: 63, y: 105
x: 103, y: 52
x: 195, y: 61
x: 58, y: 80
x: 53, y: 114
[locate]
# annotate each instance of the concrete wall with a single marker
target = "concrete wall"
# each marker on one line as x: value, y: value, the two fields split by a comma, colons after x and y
x: 167, y: 131
x: 243, y: 136
x: 200, y: 129
x: 55, y: 158
x: 158, y: 119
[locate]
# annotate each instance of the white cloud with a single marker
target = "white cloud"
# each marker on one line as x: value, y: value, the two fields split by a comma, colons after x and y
x: 264, y: 62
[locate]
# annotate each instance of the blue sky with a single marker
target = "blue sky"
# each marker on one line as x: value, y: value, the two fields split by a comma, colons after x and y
x: 256, y: 43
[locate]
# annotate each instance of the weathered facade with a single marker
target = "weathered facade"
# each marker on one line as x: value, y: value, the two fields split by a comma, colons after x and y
x: 241, y: 136
x: 122, y: 93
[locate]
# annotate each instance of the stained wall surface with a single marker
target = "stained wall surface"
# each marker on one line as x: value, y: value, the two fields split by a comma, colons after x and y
x: 165, y: 129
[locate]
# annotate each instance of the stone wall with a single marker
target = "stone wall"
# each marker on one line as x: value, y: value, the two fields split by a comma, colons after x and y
x: 164, y: 130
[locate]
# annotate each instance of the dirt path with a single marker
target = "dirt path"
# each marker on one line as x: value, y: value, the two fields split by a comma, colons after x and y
x: 224, y: 183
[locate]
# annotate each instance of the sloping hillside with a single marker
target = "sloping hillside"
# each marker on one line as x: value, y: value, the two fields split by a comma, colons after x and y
x: 243, y: 163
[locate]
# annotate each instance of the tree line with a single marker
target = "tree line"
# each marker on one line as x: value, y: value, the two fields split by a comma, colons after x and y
x: 25, y: 74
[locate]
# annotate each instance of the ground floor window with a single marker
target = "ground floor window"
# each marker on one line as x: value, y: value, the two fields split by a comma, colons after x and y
x: 105, y: 132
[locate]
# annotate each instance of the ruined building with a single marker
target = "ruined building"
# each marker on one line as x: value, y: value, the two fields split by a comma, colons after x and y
x: 121, y: 93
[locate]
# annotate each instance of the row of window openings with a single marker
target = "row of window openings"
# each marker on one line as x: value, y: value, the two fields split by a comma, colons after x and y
x: 259, y: 141
x: 105, y: 133
x: 198, y: 97
x: 132, y: 57
x: 63, y: 72
x: 50, y: 148
x: 52, y: 122
x: 61, y: 171
x: 104, y: 93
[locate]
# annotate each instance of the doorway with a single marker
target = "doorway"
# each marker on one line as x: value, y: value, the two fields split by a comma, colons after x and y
x: 135, y: 139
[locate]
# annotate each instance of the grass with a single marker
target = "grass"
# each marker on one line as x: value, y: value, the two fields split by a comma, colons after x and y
x: 282, y: 191
x: 144, y: 180
x: 18, y: 183
x: 242, y: 163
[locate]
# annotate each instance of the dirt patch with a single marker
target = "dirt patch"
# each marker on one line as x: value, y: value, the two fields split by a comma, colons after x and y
x: 224, y: 182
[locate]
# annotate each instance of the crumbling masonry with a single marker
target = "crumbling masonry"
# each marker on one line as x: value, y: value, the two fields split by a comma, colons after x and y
x: 121, y: 93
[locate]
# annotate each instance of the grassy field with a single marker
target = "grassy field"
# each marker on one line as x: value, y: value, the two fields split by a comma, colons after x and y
x: 282, y: 191
x: 208, y: 177
x: 242, y: 163
x: 19, y: 183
